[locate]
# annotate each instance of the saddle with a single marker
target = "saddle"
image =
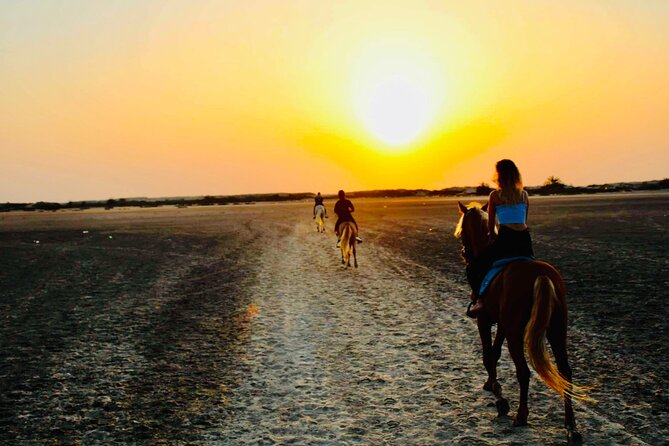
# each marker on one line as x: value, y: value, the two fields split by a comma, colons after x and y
x: 497, y: 267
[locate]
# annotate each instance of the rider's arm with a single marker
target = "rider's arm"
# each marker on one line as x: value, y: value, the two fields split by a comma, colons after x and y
x: 351, y: 207
x: 492, y: 214
x: 527, y: 208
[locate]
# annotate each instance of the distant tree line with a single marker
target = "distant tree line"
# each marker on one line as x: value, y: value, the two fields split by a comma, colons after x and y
x: 552, y: 186
x: 208, y: 200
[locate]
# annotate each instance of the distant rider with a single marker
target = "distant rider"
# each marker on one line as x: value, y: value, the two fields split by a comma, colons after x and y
x: 343, y: 208
x: 318, y: 201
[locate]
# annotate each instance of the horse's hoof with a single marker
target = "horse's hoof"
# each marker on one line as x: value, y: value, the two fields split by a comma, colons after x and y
x: 574, y: 438
x: 519, y: 421
x: 487, y: 386
x: 502, y: 407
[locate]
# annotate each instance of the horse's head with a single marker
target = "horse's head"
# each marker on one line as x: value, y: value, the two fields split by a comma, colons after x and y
x: 472, y: 229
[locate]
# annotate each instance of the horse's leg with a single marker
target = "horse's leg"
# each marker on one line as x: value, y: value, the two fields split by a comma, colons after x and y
x: 557, y: 337
x: 497, y: 345
x: 516, y: 350
x: 345, y: 247
x: 502, y: 403
x: 490, y: 358
x: 355, y: 259
x: 484, y: 327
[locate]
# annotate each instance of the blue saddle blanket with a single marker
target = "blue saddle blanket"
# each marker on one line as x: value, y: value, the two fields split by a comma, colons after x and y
x: 497, y: 268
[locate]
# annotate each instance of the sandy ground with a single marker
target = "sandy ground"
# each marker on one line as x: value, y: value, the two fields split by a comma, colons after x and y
x: 238, y: 325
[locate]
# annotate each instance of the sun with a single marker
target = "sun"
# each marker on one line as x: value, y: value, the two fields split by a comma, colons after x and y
x: 395, y: 110
x: 396, y: 98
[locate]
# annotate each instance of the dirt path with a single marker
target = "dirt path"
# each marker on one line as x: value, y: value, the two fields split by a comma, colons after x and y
x: 377, y: 355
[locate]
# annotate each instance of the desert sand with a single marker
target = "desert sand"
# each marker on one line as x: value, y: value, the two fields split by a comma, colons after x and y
x: 238, y: 325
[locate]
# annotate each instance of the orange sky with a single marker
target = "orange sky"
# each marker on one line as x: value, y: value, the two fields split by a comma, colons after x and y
x: 154, y: 98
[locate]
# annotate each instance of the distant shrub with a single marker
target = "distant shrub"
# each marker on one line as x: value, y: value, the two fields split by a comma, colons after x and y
x: 552, y: 185
x: 553, y: 182
x: 44, y: 206
x: 483, y: 189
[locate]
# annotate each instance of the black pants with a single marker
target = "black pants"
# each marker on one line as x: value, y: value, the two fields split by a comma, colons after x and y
x: 509, y: 243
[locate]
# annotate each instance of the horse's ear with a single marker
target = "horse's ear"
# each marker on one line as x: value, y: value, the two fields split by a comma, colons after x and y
x: 484, y: 208
x: 462, y: 207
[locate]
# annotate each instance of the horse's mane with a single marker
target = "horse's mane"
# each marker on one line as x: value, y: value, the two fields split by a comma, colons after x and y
x: 472, y: 205
x: 469, y: 242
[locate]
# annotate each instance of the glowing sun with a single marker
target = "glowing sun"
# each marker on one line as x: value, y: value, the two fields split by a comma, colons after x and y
x: 395, y: 110
x: 396, y: 99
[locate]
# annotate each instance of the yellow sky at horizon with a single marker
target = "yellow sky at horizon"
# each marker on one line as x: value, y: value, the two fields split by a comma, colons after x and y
x: 191, y: 98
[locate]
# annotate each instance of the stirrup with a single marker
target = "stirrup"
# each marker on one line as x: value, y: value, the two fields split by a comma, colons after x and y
x: 469, y: 312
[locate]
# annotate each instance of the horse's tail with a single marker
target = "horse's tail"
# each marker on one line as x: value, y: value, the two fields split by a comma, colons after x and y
x: 545, y: 300
x: 346, y: 237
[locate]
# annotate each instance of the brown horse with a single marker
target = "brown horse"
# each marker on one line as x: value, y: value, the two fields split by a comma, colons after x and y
x: 348, y: 242
x: 527, y: 302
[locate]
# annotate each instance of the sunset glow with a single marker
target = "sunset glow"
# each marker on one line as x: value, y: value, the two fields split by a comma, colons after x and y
x: 124, y: 99
x: 396, y: 94
x: 395, y: 110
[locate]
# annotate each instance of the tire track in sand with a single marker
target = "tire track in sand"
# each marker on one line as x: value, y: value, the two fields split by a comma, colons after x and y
x: 374, y: 356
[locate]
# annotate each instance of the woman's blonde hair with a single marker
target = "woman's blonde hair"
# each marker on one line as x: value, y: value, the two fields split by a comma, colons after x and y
x: 507, y: 176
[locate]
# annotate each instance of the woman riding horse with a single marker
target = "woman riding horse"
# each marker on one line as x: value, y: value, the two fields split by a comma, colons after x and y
x: 527, y: 300
x: 508, y: 206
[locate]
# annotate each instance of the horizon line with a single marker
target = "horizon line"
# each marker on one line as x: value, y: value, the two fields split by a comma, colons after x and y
x: 258, y: 194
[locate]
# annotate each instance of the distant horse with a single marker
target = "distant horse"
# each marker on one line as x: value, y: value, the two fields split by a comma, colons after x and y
x: 527, y: 301
x: 320, y: 213
x: 348, y: 234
